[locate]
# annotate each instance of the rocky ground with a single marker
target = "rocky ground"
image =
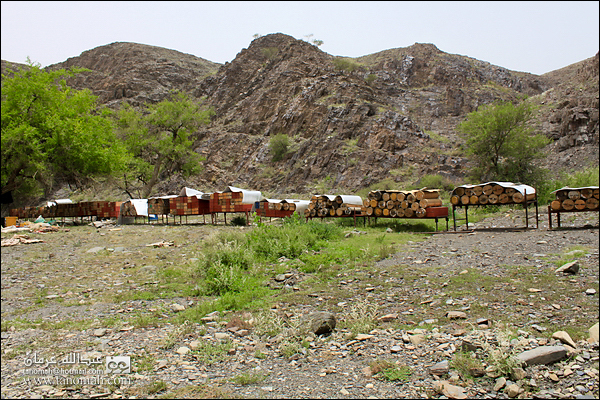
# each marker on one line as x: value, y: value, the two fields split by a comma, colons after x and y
x: 446, y: 312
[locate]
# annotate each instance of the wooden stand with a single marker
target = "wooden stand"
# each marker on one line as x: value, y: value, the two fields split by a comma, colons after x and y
x: 524, y: 203
x: 558, y: 212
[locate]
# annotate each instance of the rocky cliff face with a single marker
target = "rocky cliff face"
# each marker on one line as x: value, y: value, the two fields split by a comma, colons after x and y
x: 383, y: 118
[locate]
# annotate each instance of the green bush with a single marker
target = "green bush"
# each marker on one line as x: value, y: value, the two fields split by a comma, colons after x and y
x: 436, y: 182
x: 346, y: 64
x: 582, y: 178
x: 278, y: 146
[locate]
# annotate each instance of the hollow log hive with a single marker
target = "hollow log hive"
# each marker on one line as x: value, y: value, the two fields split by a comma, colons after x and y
x: 328, y: 205
x: 404, y: 204
x: 274, y: 208
x: 492, y: 193
x: 576, y: 199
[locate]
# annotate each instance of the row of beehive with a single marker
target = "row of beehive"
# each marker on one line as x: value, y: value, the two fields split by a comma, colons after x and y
x: 404, y: 203
x: 101, y: 209
x: 492, y: 193
x: 581, y: 199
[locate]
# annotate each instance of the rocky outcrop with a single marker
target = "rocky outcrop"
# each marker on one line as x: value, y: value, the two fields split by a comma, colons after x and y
x: 136, y: 73
x: 388, y: 116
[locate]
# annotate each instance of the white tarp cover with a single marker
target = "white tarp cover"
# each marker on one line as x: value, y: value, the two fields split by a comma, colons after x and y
x: 141, y: 206
x: 578, y: 188
x: 301, y: 205
x: 186, y: 191
x: 250, y: 196
x: 519, y: 188
x: 63, y: 201
x: 352, y: 200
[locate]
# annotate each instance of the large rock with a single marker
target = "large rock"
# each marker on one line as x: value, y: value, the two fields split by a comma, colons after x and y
x: 594, y: 335
x: 542, y: 355
x: 321, y: 323
x: 569, y: 268
x: 564, y: 338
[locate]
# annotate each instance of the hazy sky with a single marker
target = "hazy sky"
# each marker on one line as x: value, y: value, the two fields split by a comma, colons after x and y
x: 535, y: 37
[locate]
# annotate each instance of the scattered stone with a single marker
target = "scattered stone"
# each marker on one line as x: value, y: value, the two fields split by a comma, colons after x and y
x: 183, y: 350
x: 449, y: 390
x: 95, y: 249
x: 177, y: 307
x: 590, y: 292
x: 395, y: 349
x: 417, y: 339
x: 387, y: 317
x: 440, y: 368
x: 280, y: 277
x: 569, y: 268
x: 221, y: 336
x: 564, y: 338
x: 519, y: 373
x: 467, y: 346
x: 542, y: 355
x: 513, y: 390
x: 500, y: 383
x: 99, y: 332
x: 456, y: 315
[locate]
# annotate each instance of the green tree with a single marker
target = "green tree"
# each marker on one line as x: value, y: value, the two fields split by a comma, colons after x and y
x: 502, y: 143
x: 51, y: 132
x: 160, y: 140
x: 278, y: 145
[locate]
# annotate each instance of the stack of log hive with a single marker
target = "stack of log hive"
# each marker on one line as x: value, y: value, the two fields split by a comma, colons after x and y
x: 228, y: 202
x: 101, y: 209
x: 188, y: 205
x: 333, y: 206
x: 159, y: 206
x: 580, y: 199
x: 267, y: 208
x: 489, y: 193
x: 401, y: 203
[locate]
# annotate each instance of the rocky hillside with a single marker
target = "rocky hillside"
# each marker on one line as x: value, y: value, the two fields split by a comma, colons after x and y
x: 385, y: 118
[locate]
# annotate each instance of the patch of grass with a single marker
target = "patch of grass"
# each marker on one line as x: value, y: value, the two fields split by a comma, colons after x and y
x: 249, y: 378
x: 466, y: 365
x: 144, y: 364
x: 211, y: 353
x: 360, y: 318
x: 149, y: 389
x: 178, y: 333
x: 390, y: 371
x: 289, y: 347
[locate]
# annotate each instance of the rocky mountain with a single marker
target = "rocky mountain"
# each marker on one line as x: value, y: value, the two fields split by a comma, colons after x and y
x: 386, y: 118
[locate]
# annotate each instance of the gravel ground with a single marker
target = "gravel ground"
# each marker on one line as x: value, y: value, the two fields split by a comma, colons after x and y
x: 499, y: 281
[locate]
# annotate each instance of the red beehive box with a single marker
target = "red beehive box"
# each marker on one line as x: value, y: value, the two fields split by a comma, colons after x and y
x: 432, y: 212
